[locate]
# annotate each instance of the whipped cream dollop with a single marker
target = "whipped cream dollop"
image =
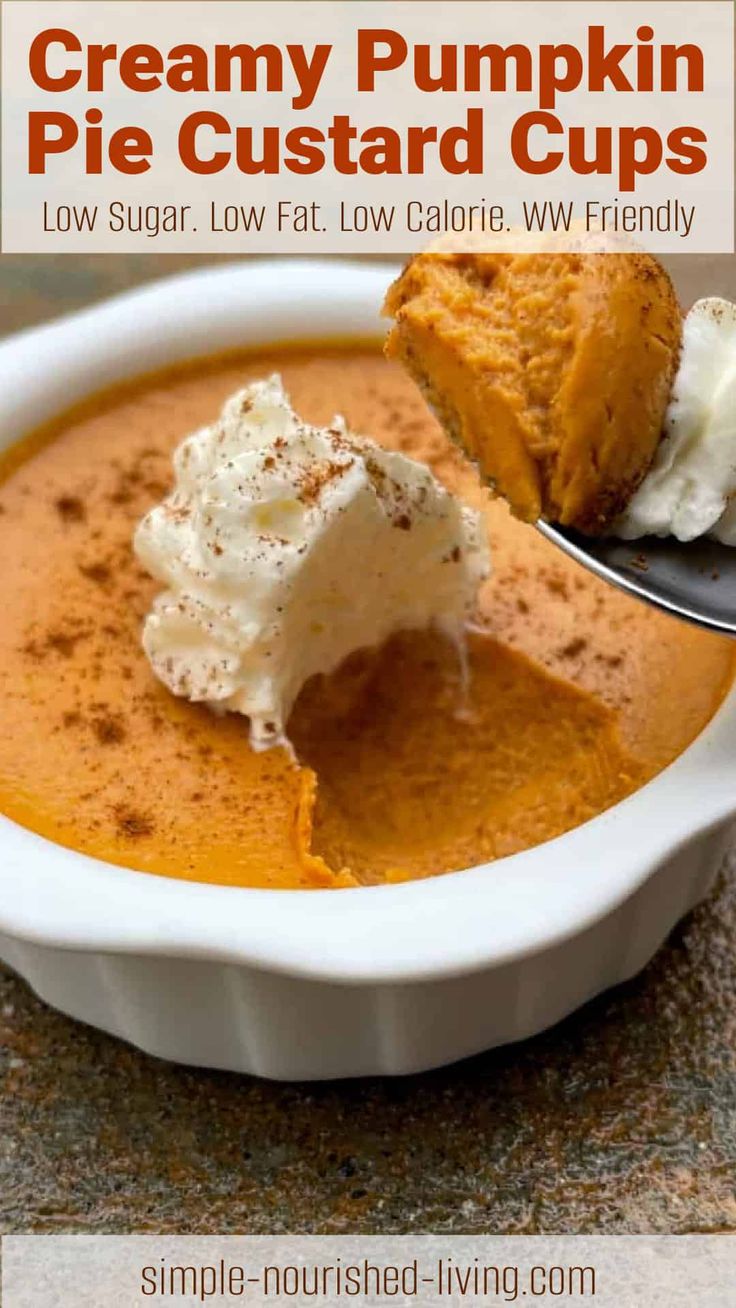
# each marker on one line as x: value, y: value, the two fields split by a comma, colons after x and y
x: 284, y: 547
x: 689, y: 489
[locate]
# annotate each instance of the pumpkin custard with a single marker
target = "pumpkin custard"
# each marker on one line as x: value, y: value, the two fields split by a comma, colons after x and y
x: 576, y: 694
x: 553, y: 371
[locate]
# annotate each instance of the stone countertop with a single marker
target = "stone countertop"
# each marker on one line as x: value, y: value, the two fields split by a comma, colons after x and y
x: 620, y: 1120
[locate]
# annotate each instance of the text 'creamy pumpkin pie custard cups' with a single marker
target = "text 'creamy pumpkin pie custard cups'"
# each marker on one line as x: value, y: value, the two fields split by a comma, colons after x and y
x: 315, y: 760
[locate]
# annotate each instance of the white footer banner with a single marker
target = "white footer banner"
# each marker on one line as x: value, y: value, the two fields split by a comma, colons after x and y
x: 92, y: 1271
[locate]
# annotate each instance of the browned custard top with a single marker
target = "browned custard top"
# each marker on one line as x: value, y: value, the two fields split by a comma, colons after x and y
x: 577, y: 693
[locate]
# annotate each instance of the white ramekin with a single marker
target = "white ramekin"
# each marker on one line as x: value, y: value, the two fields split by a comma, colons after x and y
x: 310, y: 984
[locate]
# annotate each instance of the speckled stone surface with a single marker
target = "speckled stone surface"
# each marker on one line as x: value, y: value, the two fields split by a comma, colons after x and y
x: 623, y: 1119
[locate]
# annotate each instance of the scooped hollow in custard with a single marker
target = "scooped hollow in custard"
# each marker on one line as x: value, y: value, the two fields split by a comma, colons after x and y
x: 553, y: 371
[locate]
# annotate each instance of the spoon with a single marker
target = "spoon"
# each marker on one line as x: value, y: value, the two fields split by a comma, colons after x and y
x: 695, y: 581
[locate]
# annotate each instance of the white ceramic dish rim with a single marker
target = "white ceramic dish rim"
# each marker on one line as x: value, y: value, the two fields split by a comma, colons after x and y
x: 450, y: 925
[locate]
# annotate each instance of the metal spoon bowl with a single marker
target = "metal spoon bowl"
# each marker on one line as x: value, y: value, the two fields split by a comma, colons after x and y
x: 695, y: 581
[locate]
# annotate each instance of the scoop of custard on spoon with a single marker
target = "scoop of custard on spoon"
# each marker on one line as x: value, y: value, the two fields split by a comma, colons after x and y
x: 554, y: 371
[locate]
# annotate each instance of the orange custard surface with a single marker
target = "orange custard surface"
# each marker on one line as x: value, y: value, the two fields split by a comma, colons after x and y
x: 577, y: 694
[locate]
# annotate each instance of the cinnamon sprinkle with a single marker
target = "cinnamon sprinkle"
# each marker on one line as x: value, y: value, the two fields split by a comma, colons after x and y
x: 131, y: 822
x: 70, y: 508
